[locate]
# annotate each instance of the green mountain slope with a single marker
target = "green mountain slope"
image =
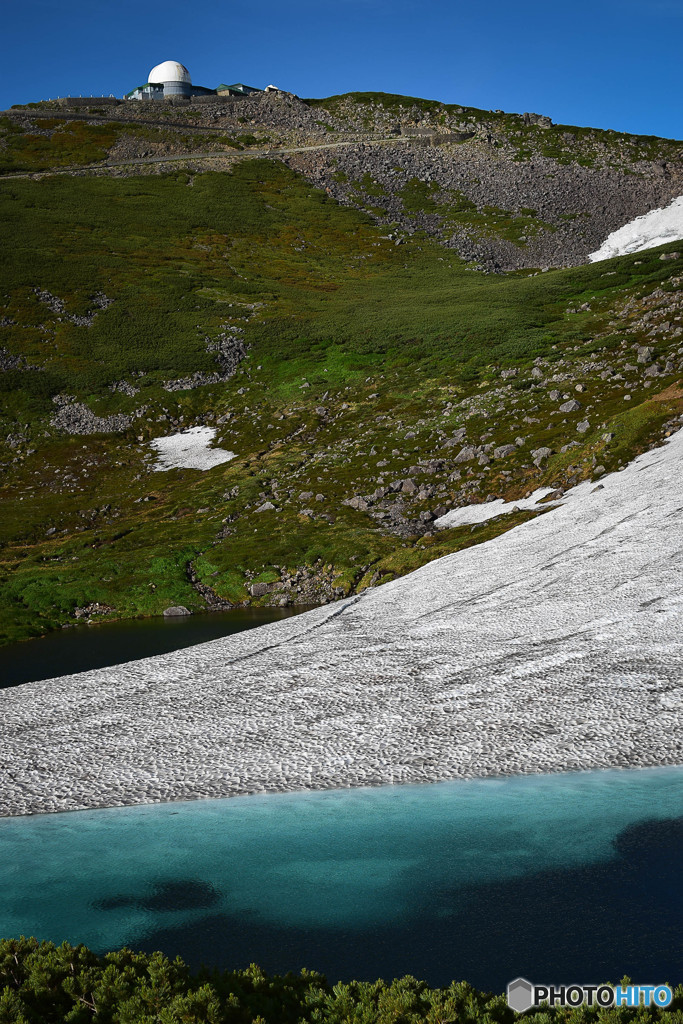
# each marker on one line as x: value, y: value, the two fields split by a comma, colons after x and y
x: 365, y: 387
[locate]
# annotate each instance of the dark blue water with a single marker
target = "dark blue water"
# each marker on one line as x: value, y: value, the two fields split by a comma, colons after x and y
x: 574, y: 878
x: 84, y: 647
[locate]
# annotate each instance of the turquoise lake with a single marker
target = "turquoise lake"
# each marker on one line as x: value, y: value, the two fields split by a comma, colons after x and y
x: 565, y: 878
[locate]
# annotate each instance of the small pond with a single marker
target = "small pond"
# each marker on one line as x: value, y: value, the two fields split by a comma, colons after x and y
x: 83, y: 647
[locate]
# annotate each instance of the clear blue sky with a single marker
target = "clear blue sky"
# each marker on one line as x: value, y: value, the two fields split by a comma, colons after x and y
x: 606, y: 63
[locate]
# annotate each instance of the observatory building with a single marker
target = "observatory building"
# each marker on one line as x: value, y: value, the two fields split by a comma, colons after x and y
x: 171, y: 79
x: 174, y: 78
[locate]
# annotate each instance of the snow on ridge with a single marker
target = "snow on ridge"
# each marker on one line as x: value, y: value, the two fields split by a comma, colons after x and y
x: 189, y: 449
x: 645, y: 232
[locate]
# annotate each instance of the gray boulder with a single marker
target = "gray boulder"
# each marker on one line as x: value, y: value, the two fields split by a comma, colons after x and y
x: 539, y: 455
x: 466, y: 454
x: 176, y: 611
x: 504, y: 451
x: 457, y: 438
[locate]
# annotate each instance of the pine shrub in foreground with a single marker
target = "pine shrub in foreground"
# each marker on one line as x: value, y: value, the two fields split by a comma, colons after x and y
x: 41, y: 983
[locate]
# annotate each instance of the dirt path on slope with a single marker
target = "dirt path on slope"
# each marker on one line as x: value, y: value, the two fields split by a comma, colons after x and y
x: 253, y: 154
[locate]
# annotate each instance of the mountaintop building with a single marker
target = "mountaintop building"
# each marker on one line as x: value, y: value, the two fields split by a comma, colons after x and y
x: 236, y: 90
x: 172, y: 80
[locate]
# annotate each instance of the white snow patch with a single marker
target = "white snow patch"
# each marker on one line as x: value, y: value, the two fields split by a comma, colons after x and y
x: 645, y: 232
x: 190, y: 450
x: 490, y: 509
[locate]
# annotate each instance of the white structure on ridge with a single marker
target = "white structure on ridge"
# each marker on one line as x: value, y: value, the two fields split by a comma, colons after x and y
x: 168, y: 80
x: 170, y: 73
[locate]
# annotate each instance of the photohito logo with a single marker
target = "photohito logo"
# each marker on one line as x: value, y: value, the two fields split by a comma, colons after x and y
x: 522, y: 995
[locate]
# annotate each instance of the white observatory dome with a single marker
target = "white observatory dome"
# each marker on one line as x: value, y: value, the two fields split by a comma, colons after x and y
x: 169, y: 71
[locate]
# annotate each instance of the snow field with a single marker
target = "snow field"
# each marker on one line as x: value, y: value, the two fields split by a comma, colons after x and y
x: 557, y: 646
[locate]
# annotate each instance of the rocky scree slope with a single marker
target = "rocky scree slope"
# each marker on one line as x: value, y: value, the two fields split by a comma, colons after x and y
x: 503, y: 190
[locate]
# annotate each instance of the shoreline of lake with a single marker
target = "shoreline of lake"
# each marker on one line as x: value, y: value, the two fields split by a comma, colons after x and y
x: 85, y: 646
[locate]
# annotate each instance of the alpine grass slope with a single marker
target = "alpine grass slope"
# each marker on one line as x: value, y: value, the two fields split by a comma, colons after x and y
x: 332, y: 316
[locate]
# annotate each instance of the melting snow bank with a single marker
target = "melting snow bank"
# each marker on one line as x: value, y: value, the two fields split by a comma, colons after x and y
x: 490, y: 509
x: 645, y: 232
x: 556, y: 646
x: 190, y: 450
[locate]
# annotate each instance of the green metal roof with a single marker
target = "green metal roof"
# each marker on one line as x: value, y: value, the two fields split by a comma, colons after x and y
x: 238, y: 87
x: 145, y: 86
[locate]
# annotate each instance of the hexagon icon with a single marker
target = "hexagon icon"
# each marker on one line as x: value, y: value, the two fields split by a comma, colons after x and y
x: 520, y: 995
